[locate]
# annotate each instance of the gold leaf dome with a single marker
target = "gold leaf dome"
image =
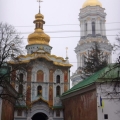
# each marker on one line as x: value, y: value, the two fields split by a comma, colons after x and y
x: 91, y: 3
x: 38, y: 37
x: 39, y: 16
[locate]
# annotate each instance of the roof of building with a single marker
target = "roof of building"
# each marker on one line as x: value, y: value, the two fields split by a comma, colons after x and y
x: 91, y: 3
x: 110, y: 72
x: 58, y: 61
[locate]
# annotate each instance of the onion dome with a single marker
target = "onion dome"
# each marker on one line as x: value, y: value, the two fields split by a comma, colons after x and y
x: 91, y: 3
x: 38, y: 37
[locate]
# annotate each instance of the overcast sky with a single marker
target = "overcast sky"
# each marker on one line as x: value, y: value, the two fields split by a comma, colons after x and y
x: 61, y: 17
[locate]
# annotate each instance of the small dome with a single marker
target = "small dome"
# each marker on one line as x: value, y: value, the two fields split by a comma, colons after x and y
x: 38, y: 37
x: 39, y: 16
x: 91, y: 3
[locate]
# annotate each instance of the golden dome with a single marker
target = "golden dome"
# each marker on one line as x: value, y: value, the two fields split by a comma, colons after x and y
x: 91, y: 3
x: 38, y: 37
x: 39, y: 16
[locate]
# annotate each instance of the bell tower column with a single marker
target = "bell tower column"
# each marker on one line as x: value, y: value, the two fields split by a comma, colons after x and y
x: 103, y: 28
x: 82, y: 29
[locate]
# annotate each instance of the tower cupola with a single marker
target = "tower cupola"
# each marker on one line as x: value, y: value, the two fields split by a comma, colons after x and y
x: 38, y: 38
x: 91, y: 3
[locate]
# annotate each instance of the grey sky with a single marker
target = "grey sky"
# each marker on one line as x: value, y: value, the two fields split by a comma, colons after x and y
x: 57, y: 12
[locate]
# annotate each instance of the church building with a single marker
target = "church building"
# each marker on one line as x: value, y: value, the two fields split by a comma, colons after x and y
x: 92, y: 29
x: 44, y: 78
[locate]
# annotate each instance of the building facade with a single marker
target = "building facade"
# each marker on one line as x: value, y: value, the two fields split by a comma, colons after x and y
x: 92, y: 29
x: 44, y: 78
x: 95, y: 98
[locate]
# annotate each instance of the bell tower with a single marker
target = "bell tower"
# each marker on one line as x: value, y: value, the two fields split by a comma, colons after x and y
x: 92, y: 19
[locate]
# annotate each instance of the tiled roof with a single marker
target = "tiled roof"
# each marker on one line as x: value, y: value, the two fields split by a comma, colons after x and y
x: 109, y: 72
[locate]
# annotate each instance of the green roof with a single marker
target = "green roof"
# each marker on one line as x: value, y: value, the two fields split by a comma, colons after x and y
x: 110, y: 72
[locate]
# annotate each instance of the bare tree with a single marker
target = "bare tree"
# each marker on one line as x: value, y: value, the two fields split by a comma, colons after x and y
x: 10, y: 48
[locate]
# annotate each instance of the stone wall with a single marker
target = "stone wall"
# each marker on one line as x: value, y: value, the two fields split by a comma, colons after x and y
x: 81, y: 107
x: 7, y: 110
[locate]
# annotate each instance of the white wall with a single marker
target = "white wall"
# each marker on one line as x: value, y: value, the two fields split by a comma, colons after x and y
x: 111, y: 104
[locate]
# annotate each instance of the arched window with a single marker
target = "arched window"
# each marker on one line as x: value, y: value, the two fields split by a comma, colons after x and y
x: 93, y: 28
x: 39, y: 90
x: 86, y: 29
x: 20, y: 89
x: 58, y: 91
x: 21, y: 77
x: 58, y: 79
x: 40, y: 76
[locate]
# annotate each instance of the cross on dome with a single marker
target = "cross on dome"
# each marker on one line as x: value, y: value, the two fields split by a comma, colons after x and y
x: 39, y: 4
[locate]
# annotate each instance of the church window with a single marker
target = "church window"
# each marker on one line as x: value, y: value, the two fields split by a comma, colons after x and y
x: 58, y: 91
x: 20, y: 89
x: 86, y: 29
x: 39, y: 25
x: 101, y: 28
x: 57, y: 113
x: 39, y: 90
x: 21, y: 77
x: 58, y: 79
x: 40, y: 76
x: 83, y: 60
x: 93, y: 28
x: 105, y: 116
x: 19, y: 113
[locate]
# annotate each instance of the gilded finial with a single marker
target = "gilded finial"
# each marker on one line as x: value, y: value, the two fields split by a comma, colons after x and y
x: 39, y: 4
x: 66, y: 53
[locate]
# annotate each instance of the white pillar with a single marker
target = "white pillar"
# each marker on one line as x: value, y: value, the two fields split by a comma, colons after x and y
x: 82, y: 29
x: 77, y: 60
x: 103, y: 28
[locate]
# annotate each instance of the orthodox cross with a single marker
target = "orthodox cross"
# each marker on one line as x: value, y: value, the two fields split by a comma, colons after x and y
x: 39, y: 4
x: 66, y: 53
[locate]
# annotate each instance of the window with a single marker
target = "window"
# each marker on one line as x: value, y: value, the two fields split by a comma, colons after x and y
x: 93, y: 28
x: 20, y: 90
x: 86, y: 29
x: 39, y: 90
x: 58, y: 91
x: 21, y: 77
x: 101, y: 28
x: 19, y: 113
x: 58, y: 113
x: 40, y: 76
x: 58, y: 79
x: 83, y: 60
x: 105, y: 116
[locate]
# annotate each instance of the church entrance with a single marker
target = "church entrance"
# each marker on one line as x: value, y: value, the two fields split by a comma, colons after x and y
x: 40, y: 116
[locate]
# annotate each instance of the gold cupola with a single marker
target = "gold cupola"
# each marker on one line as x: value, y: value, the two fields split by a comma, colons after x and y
x: 91, y: 3
x: 38, y: 37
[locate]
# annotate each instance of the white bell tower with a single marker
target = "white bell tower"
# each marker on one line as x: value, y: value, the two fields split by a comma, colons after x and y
x: 92, y: 29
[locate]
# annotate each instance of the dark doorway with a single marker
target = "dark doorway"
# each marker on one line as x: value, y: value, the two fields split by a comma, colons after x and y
x: 40, y: 116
